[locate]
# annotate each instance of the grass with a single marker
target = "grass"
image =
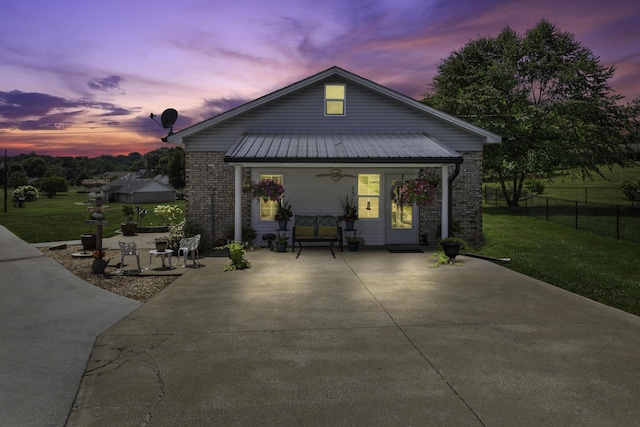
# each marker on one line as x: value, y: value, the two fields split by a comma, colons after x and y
x: 599, y: 203
x: 600, y: 268
x: 63, y: 217
x: 600, y: 189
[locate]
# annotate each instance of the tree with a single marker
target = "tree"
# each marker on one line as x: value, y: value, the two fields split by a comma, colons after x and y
x: 52, y: 185
x: 546, y: 95
x: 35, y: 167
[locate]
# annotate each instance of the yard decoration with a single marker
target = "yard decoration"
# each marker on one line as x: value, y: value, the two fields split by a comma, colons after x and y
x: 265, y: 189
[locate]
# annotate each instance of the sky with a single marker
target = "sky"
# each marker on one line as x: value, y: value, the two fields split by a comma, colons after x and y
x: 81, y: 77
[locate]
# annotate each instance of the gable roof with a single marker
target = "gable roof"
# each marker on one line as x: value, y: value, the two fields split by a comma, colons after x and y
x: 134, y: 185
x: 487, y: 137
x: 336, y: 147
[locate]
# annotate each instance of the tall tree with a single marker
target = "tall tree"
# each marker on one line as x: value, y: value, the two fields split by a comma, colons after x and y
x: 35, y: 167
x: 546, y: 95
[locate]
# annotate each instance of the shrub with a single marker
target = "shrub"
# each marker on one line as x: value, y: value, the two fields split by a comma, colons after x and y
x: 52, y: 185
x: 29, y: 192
x: 169, y: 214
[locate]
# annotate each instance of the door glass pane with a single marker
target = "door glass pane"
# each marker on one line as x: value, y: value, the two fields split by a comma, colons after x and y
x: 401, y: 215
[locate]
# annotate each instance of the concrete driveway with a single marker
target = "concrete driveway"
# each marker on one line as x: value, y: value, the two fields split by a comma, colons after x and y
x: 49, y: 320
x: 369, y: 338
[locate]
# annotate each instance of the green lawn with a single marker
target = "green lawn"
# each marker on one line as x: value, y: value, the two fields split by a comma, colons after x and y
x: 600, y: 268
x: 63, y: 217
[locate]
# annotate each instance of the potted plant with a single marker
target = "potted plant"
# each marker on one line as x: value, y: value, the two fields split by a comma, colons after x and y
x: 99, y: 263
x: 283, y: 213
x: 281, y: 241
x: 128, y: 228
x: 448, y: 249
x: 88, y: 240
x: 265, y: 189
x: 161, y: 243
x: 349, y: 210
x: 420, y: 191
x: 353, y: 241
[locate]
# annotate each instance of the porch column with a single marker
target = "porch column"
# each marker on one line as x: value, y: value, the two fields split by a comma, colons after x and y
x: 237, y: 235
x: 444, y: 230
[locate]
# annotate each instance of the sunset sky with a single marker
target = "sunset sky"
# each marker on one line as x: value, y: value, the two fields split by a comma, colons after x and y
x: 80, y: 77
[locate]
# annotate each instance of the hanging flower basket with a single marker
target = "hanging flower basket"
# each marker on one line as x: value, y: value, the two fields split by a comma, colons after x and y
x: 266, y: 189
x: 420, y: 191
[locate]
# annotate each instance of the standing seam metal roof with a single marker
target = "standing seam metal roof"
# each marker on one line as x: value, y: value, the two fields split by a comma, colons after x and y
x: 352, y: 147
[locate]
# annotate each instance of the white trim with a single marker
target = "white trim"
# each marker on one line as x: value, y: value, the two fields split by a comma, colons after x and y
x: 237, y: 235
x: 444, y: 229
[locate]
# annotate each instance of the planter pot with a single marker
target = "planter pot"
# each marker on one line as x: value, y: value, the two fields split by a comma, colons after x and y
x: 88, y: 241
x: 129, y: 228
x: 349, y: 225
x: 353, y: 246
x: 161, y: 246
x: 281, y: 247
x: 282, y: 225
x: 451, y: 250
x: 99, y: 266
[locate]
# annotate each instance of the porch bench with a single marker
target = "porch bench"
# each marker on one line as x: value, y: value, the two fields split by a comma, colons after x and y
x: 317, y: 228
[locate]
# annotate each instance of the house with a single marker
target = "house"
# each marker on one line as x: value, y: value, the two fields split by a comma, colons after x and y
x: 330, y: 135
x: 130, y: 189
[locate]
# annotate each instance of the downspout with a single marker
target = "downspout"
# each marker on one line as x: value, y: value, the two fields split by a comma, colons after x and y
x: 453, y: 176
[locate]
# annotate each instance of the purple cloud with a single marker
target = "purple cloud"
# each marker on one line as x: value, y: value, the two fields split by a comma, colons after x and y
x: 105, y: 84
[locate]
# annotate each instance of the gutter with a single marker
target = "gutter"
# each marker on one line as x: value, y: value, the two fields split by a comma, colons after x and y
x: 453, y: 176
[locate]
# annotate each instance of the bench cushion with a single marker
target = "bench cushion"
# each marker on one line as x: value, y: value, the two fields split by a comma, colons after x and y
x: 327, y: 231
x: 305, y: 231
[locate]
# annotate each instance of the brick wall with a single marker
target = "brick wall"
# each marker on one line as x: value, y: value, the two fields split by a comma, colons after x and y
x: 467, y: 203
x: 210, y: 187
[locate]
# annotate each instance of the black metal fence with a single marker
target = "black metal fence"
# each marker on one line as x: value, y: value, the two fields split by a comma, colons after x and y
x: 618, y: 221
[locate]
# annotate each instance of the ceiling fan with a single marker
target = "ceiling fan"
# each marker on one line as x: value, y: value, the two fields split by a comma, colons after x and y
x: 336, y: 174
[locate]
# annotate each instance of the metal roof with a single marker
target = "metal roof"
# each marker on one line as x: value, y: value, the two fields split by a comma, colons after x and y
x: 340, y: 147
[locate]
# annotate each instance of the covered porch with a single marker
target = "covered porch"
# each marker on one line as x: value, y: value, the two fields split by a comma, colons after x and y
x: 317, y: 170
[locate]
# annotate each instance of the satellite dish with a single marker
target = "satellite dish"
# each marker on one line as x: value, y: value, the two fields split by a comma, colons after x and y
x: 168, y: 118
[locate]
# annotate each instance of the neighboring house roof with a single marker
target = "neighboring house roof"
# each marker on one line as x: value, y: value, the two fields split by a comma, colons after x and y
x: 132, y: 185
x: 487, y: 137
x: 329, y: 147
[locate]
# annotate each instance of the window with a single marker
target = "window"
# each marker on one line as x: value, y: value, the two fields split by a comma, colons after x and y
x: 268, y: 209
x: 334, y: 100
x: 369, y: 195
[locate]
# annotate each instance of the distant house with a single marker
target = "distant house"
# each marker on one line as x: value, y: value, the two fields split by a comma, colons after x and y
x: 137, y: 191
x: 327, y: 136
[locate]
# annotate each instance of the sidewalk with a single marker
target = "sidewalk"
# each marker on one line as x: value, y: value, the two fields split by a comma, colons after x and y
x: 369, y: 338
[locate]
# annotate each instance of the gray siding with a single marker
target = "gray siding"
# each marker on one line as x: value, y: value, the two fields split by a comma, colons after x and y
x: 303, y: 111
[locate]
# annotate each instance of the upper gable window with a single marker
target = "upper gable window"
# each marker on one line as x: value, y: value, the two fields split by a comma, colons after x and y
x: 334, y: 100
